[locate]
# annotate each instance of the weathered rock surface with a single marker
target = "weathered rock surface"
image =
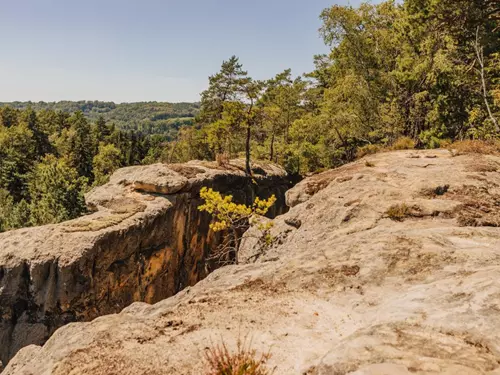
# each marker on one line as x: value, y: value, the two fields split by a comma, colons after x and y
x: 145, y: 241
x: 349, y: 290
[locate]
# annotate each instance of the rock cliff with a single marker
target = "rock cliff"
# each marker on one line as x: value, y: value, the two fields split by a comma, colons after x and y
x: 145, y: 241
x: 389, y: 265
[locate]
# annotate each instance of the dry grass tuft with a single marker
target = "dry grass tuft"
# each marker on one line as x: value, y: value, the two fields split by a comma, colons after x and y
x: 479, y: 207
x: 220, y: 361
x: 222, y: 159
x: 368, y: 150
x: 403, y: 143
x: 475, y: 147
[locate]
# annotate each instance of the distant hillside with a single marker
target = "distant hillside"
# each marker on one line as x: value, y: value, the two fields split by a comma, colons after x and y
x: 146, y: 117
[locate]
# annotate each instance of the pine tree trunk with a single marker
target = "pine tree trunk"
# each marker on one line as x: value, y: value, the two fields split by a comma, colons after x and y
x: 248, y: 170
x: 271, y: 151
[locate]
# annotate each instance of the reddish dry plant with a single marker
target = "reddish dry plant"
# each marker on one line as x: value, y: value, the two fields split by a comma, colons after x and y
x: 475, y: 147
x: 220, y: 361
x: 222, y: 159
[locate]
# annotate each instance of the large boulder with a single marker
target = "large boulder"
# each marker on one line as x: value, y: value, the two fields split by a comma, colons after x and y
x: 387, y: 266
x: 145, y: 241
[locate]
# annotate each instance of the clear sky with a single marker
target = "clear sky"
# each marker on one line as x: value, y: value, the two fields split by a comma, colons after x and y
x: 145, y: 50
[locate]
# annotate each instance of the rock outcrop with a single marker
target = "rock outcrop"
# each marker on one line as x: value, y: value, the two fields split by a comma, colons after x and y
x: 145, y: 241
x: 390, y: 266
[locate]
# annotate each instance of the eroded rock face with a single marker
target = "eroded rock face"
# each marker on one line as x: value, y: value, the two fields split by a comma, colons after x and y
x: 145, y: 241
x: 394, y: 269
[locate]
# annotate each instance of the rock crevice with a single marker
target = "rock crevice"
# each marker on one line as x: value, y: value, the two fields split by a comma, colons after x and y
x: 145, y: 241
x: 349, y: 284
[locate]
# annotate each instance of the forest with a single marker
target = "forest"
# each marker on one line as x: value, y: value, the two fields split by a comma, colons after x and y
x: 49, y: 159
x: 146, y: 117
x: 418, y: 73
x: 411, y: 74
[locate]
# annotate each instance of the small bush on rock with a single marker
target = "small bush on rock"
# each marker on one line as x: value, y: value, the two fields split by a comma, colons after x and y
x: 398, y: 212
x: 235, y: 219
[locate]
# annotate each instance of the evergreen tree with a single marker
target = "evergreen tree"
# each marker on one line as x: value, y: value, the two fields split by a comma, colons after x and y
x: 100, y: 132
x: 9, y: 117
x: 21, y: 215
x: 106, y: 162
x: 282, y: 103
x: 80, y: 151
x: 225, y: 86
x: 17, y: 157
x: 6, y: 209
x: 40, y: 138
x: 56, y: 192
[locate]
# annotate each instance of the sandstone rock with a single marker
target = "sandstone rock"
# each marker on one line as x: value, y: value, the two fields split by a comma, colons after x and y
x: 145, y: 241
x: 351, y: 291
x: 155, y: 178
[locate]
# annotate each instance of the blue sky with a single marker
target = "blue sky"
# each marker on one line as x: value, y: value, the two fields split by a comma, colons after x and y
x: 142, y: 50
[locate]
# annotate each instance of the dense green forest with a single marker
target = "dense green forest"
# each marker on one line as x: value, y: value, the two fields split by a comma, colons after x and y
x: 49, y: 159
x: 146, y: 117
x: 417, y: 73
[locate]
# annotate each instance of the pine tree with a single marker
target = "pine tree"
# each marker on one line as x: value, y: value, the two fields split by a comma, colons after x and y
x: 6, y: 208
x: 80, y: 145
x: 41, y: 139
x: 9, y: 117
x: 17, y: 157
x: 56, y: 192
x: 106, y: 162
x: 225, y: 86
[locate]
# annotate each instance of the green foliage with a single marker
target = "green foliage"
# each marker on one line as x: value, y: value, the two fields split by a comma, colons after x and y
x: 80, y: 152
x: 229, y: 111
x: 431, y: 138
x: 12, y: 215
x: 6, y: 208
x: 411, y: 74
x: 107, y: 160
x: 235, y: 219
x: 17, y: 157
x: 79, y: 146
x: 147, y: 117
x: 230, y: 215
x: 56, y: 192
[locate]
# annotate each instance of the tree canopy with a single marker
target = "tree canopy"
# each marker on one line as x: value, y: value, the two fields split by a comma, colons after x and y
x: 49, y: 159
x: 428, y: 70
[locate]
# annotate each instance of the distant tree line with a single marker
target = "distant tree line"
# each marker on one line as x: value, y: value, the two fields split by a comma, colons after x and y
x: 147, y: 117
